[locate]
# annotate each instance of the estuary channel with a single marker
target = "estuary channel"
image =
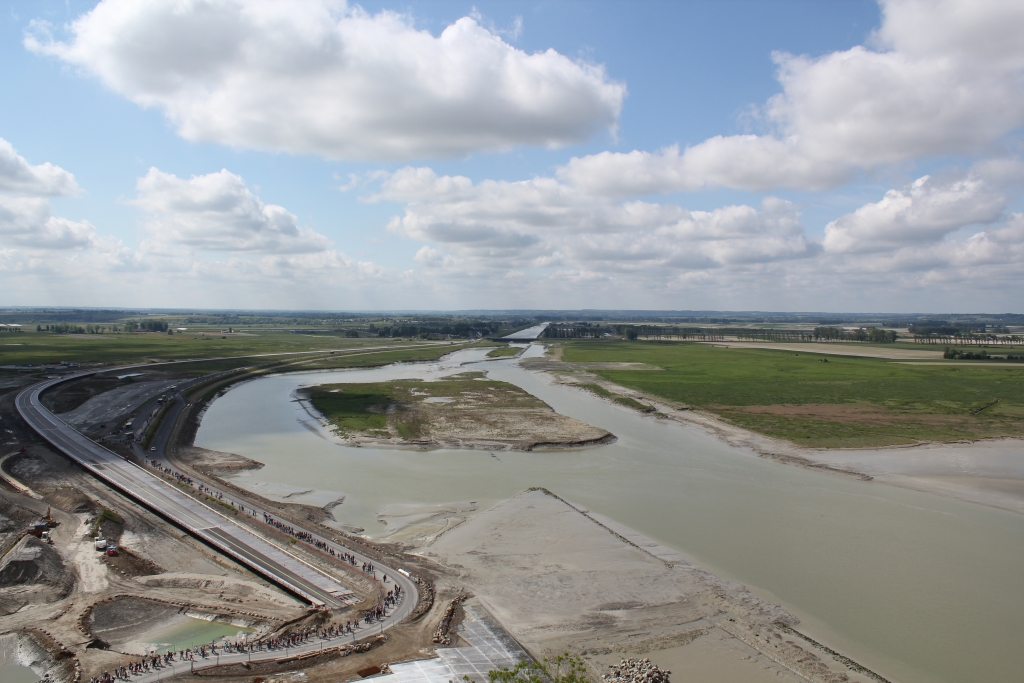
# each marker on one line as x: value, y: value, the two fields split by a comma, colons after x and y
x: 915, y: 586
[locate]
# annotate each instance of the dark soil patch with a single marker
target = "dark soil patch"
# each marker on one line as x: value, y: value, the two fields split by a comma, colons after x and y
x: 70, y: 395
x: 124, y: 618
x: 131, y: 565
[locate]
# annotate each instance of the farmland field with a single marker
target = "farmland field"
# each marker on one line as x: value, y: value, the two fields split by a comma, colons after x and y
x: 822, y: 400
x: 45, y: 347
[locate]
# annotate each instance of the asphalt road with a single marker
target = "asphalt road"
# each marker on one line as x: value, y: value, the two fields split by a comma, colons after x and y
x: 223, y: 533
x: 204, y: 522
x: 385, y: 577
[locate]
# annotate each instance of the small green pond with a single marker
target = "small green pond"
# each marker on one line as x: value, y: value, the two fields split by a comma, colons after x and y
x: 192, y: 633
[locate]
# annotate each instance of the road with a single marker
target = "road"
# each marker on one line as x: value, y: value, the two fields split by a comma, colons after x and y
x: 244, y: 545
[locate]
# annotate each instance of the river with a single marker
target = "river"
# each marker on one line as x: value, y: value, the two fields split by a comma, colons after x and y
x: 918, y: 587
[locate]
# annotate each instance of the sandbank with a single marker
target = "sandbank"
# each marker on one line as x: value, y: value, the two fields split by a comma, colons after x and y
x: 559, y: 578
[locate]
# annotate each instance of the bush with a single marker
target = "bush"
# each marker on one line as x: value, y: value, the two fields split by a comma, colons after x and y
x: 565, y: 668
x: 956, y: 354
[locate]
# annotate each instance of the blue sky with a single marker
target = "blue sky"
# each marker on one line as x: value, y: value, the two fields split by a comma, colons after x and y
x: 716, y: 228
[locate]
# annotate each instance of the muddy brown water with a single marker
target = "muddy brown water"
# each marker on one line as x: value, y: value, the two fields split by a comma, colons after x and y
x: 13, y: 673
x: 918, y: 587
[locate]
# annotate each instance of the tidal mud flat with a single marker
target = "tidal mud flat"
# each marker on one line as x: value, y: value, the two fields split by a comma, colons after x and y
x: 819, y: 544
x: 559, y: 579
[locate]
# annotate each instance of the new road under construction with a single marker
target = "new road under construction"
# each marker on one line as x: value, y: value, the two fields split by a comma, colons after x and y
x: 173, y: 496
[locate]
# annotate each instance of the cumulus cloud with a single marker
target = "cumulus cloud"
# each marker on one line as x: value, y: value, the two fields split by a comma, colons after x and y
x: 924, y: 212
x: 542, y: 223
x: 938, y: 78
x: 27, y: 222
x: 323, y: 78
x: 218, y: 212
x: 945, y: 232
x: 25, y: 218
x: 20, y: 178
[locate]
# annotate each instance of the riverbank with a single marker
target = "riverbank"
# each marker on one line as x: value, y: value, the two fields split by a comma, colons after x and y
x: 987, y: 472
x: 815, y: 398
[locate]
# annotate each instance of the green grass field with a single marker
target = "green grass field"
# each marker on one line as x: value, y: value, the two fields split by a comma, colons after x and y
x: 846, y: 401
x: 621, y: 400
x: 504, y: 352
x: 46, y: 347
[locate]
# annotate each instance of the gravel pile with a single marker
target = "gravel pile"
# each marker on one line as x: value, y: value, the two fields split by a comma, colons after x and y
x: 636, y: 671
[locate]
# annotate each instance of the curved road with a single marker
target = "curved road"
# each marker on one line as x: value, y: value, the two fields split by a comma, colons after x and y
x: 243, y: 545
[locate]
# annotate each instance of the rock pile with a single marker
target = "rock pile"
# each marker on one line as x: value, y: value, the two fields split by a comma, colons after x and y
x: 636, y: 671
x: 441, y: 634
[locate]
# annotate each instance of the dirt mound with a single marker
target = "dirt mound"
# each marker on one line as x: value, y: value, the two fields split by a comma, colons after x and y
x: 32, y: 572
x: 70, y: 500
x: 30, y: 561
x: 226, y: 586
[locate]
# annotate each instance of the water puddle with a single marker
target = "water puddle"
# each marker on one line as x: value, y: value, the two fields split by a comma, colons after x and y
x: 12, y: 673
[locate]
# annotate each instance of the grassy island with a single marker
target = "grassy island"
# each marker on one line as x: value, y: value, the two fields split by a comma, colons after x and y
x: 462, y: 411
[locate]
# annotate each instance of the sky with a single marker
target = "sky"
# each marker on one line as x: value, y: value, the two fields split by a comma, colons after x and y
x: 788, y: 155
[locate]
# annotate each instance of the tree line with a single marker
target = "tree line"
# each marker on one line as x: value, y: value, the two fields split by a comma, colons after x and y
x: 968, y: 339
x: 131, y: 326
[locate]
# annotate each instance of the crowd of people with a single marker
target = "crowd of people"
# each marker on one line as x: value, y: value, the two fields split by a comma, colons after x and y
x: 154, y: 662
x: 376, y: 613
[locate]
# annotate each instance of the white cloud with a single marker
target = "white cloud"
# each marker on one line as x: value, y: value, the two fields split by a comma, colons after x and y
x: 25, y: 218
x: 924, y: 212
x: 943, y: 78
x: 323, y: 78
x: 47, y: 260
x: 19, y: 178
x: 218, y: 212
x: 499, y: 226
x: 27, y: 222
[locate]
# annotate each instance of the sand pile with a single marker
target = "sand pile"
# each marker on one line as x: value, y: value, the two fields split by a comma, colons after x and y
x: 631, y: 670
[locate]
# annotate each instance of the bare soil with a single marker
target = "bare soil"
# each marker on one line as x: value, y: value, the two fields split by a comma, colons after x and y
x: 216, y: 462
